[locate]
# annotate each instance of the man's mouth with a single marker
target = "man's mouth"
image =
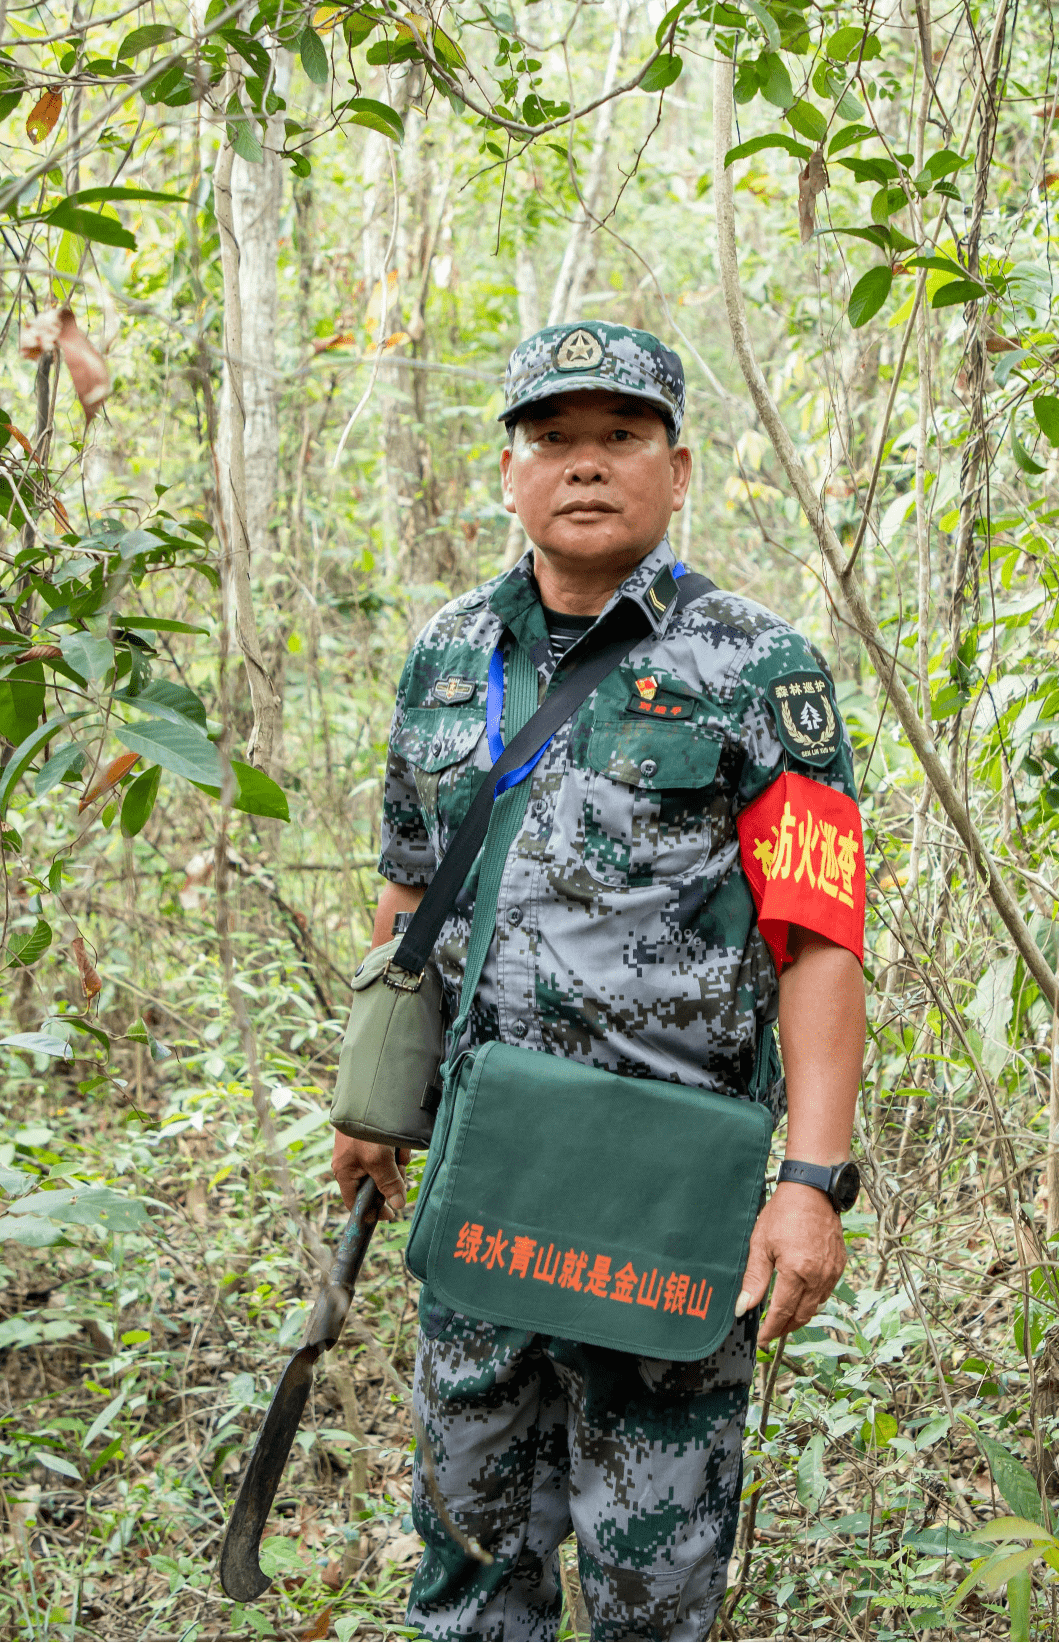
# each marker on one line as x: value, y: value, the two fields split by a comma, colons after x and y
x: 589, y: 505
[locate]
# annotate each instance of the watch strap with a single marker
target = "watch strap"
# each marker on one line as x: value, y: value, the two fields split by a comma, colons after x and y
x: 808, y: 1175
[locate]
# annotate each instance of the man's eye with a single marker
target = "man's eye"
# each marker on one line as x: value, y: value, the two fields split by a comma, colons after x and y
x: 622, y: 433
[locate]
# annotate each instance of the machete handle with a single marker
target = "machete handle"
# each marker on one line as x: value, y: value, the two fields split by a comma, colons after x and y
x: 356, y: 1236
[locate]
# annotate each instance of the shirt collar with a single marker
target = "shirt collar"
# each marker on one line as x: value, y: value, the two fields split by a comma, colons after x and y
x: 652, y: 586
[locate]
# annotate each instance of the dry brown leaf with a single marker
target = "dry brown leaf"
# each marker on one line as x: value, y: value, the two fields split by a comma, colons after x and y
x: 320, y: 1627
x: 57, y: 328
x: 86, y: 365
x: 112, y: 774
x: 43, y: 115
x: 394, y: 340
x: 91, y: 982
x: 1046, y: 112
x: 333, y: 1577
x: 1049, y: 178
x: 812, y: 180
x: 60, y: 512
x: 16, y: 434
x: 999, y: 345
x: 341, y: 339
x: 40, y: 653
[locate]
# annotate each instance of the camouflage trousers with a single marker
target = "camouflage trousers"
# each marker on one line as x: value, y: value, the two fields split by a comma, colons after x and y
x: 531, y: 1436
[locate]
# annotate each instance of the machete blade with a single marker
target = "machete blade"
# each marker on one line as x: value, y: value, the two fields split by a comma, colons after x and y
x: 242, y: 1576
x: 241, y: 1573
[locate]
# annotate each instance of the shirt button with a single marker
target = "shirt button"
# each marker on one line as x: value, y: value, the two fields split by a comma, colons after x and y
x: 519, y: 1029
x: 515, y: 916
x: 649, y: 768
x: 539, y: 806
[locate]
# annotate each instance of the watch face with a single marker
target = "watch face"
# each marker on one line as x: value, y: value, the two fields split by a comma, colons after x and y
x: 845, y: 1187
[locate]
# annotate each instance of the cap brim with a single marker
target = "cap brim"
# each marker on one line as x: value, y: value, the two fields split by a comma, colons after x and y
x: 575, y: 384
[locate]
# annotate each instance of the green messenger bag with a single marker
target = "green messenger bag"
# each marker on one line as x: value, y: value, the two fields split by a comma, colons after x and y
x: 570, y: 1201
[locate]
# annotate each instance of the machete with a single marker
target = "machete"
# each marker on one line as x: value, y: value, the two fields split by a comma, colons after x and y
x: 242, y: 1577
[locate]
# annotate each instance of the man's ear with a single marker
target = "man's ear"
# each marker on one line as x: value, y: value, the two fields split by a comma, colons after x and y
x: 507, y: 487
x: 680, y: 463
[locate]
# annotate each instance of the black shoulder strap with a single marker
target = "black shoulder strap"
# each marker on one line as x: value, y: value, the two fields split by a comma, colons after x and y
x: 440, y: 898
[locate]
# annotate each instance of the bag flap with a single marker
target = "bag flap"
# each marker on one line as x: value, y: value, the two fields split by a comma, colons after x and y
x: 551, y: 1221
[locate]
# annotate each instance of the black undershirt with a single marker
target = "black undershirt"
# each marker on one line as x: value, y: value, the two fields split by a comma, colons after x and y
x: 565, y: 630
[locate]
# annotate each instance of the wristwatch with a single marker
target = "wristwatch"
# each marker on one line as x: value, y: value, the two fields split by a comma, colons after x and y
x: 840, y: 1182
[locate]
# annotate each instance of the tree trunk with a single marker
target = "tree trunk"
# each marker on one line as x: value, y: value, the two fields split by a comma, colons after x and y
x: 232, y: 477
x: 579, y: 259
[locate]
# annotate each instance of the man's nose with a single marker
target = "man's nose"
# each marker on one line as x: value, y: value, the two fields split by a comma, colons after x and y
x: 587, y: 465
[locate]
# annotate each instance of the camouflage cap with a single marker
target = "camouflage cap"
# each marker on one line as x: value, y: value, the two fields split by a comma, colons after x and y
x: 614, y: 358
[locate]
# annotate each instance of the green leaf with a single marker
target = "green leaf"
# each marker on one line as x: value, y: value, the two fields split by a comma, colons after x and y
x: 26, y: 949
x: 1013, y: 1480
x: 941, y: 164
x: 68, y: 758
x: 313, y: 54
x: 446, y: 50
x: 1022, y: 456
x: 256, y: 793
x: 774, y: 80
x: 847, y: 137
x: 56, y: 1463
x: 957, y: 291
x: 807, y: 119
x: 1020, y: 1588
x: 103, y: 1420
x: 241, y: 133
x: 27, y: 751
x: 868, y: 295
x: 91, y: 658
x: 844, y: 43
x: 662, y: 72
x: 775, y: 139
x: 91, y: 225
x: 385, y: 52
x: 142, y: 39
x: 767, y: 22
x: 669, y: 19
x: 156, y: 624
x: 180, y: 748
x: 356, y: 28
x: 278, y: 1557
x: 84, y: 1206
x: 138, y: 802
x: 880, y: 234
x: 1046, y: 410
x: 163, y: 699
x: 87, y: 196
x: 39, y: 1044
x: 21, y: 701
x: 365, y: 111
x: 940, y: 1541
x: 811, y: 1480
x: 9, y: 100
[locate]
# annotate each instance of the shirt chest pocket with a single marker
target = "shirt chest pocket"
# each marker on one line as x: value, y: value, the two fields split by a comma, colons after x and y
x: 445, y: 748
x: 650, y: 801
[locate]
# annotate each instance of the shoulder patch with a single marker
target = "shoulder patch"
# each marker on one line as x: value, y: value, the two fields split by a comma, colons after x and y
x: 807, y: 722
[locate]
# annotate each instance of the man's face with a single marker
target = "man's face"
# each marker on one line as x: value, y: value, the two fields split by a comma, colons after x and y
x: 593, y: 479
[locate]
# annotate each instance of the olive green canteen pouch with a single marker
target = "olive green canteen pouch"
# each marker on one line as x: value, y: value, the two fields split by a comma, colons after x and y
x: 386, y: 1089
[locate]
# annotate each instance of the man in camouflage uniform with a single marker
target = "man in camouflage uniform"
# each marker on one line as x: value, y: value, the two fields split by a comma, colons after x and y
x: 642, y: 928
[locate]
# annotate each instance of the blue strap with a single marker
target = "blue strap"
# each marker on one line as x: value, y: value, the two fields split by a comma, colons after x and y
x: 494, y: 705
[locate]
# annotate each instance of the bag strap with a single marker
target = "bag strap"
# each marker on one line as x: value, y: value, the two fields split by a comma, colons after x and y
x: 563, y: 702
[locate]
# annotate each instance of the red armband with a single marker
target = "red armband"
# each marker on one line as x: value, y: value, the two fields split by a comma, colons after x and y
x: 803, y: 853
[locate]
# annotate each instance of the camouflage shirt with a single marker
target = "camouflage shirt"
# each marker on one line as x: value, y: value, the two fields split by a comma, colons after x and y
x: 626, y: 933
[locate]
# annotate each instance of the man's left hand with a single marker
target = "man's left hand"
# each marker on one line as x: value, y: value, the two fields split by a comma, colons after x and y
x: 799, y: 1237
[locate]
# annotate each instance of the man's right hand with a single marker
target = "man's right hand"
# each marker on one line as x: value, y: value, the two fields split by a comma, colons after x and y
x: 352, y: 1160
